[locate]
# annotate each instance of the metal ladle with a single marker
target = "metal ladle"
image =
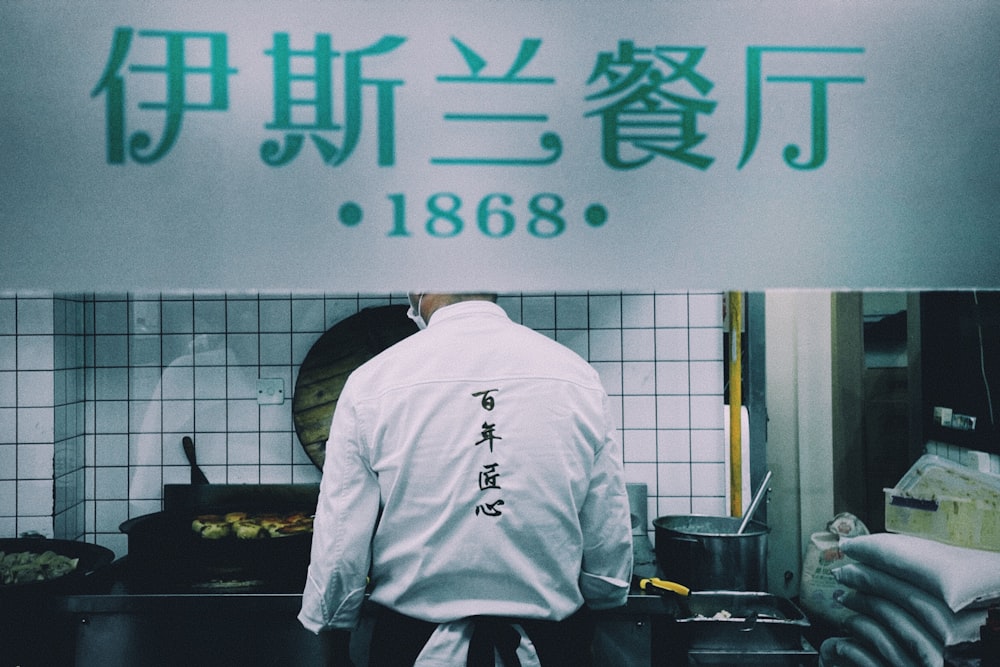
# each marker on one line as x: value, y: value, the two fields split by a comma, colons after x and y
x: 754, y: 503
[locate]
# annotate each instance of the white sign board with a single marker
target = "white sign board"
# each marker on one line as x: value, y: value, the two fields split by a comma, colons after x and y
x: 373, y: 146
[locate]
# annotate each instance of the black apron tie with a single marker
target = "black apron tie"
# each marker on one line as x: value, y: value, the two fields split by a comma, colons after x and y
x: 398, y: 639
x: 489, y: 633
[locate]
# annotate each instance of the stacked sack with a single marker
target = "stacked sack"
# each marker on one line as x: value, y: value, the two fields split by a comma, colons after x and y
x: 820, y: 592
x: 914, y: 600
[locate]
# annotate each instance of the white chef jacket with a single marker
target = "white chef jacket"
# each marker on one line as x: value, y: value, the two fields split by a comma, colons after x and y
x: 472, y: 468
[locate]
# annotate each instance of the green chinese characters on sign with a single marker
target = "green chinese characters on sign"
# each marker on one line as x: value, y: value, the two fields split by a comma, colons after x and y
x: 503, y: 120
x: 818, y: 98
x: 176, y: 70
x: 642, y: 108
x: 317, y: 72
x: 651, y: 102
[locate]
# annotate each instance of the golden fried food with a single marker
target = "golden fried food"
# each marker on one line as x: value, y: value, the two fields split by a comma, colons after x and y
x: 249, y: 530
x: 211, y: 526
x: 203, y: 520
x: 270, y: 521
x: 293, y: 529
x: 246, y: 526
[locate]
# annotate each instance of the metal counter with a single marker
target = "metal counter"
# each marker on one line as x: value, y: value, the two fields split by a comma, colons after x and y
x: 111, y: 626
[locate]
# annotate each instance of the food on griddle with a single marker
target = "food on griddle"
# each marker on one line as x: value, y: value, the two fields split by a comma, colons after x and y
x: 25, y: 566
x: 212, y: 526
x: 304, y: 525
x: 246, y: 526
x: 278, y: 525
x: 249, y: 530
x: 206, y: 519
x: 721, y: 615
x: 270, y: 521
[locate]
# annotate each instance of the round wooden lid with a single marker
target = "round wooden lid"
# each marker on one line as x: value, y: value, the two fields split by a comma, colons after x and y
x: 345, y: 346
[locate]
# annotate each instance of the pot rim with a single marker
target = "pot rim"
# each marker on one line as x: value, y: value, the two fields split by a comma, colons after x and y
x: 753, y: 529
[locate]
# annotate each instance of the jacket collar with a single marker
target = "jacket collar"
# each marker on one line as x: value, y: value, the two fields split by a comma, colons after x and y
x: 465, y: 308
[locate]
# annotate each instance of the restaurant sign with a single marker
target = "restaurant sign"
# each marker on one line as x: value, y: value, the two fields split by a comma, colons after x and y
x: 515, y: 145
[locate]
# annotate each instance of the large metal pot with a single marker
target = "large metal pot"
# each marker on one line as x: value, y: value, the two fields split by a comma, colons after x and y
x: 706, y: 553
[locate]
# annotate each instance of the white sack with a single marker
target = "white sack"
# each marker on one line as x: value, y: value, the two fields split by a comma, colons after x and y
x: 820, y: 590
x: 963, y: 578
x: 907, y: 632
x: 847, y: 652
x: 950, y: 628
x: 870, y: 633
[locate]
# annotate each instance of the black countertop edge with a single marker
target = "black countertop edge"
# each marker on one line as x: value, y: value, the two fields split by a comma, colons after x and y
x: 206, y: 602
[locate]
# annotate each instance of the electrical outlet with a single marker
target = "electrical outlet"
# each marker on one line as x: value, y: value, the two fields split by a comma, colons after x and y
x: 949, y: 419
x: 270, y: 391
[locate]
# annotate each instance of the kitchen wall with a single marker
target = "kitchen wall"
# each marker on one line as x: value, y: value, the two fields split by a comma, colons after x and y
x: 96, y: 392
x: 42, y: 415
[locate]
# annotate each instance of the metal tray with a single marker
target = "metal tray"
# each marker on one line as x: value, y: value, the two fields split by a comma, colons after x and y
x: 755, y: 621
x: 805, y: 656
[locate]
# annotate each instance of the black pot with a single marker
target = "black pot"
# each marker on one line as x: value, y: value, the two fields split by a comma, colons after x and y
x: 706, y: 553
x: 93, y: 559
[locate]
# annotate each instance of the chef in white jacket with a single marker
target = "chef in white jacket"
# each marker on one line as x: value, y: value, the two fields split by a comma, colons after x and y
x: 473, y: 472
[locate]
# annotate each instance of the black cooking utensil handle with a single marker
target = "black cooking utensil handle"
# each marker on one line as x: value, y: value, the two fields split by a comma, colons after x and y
x: 197, y: 476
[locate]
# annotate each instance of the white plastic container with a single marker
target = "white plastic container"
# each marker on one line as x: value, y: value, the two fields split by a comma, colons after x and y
x: 947, y: 502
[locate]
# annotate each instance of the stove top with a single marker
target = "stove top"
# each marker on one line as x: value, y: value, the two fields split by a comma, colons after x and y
x: 122, y: 578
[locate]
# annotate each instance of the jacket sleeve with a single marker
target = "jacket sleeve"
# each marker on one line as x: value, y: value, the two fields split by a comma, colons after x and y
x: 345, y: 520
x: 607, y: 527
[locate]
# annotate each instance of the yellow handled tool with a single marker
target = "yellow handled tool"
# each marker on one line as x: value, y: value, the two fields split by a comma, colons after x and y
x: 663, y: 585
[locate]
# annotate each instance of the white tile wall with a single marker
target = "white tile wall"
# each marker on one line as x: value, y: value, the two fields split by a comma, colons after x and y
x: 41, y: 416
x: 991, y: 462
x: 97, y: 391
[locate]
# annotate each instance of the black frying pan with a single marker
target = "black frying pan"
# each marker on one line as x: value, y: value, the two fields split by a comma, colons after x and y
x: 92, y: 559
x: 165, y: 553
